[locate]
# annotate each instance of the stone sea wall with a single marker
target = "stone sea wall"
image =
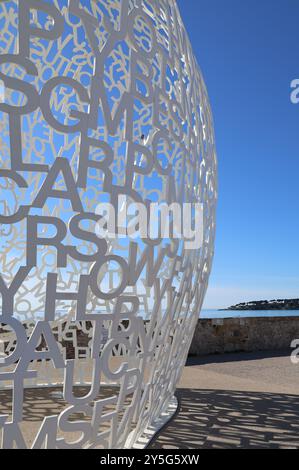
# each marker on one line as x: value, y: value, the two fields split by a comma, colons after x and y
x: 244, y: 334
x: 211, y: 336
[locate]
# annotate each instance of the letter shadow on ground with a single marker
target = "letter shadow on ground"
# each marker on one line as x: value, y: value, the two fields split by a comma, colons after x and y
x: 230, y: 420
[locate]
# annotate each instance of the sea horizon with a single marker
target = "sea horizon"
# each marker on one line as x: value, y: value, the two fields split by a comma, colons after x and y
x: 221, y: 314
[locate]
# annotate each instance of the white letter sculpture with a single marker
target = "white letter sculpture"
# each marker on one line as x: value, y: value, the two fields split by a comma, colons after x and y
x: 102, y: 105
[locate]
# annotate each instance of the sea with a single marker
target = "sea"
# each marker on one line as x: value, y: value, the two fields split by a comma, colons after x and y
x: 248, y: 313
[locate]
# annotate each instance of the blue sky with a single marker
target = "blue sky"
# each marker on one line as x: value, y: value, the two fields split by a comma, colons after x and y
x: 248, y: 51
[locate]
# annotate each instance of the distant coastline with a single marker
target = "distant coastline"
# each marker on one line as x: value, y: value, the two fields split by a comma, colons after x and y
x: 279, y: 304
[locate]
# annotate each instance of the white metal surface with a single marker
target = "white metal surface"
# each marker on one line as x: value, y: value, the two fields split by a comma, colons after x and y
x: 99, y: 98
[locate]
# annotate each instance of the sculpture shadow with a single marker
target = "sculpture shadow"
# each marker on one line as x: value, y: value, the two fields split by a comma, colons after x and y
x: 231, y: 420
x: 41, y: 402
x: 206, y: 419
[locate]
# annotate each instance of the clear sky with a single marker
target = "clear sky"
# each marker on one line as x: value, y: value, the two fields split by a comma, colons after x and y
x: 248, y: 51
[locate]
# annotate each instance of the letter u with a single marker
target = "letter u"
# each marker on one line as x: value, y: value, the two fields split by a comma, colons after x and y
x: 68, y: 389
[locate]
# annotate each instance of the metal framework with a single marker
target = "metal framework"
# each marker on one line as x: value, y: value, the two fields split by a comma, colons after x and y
x: 98, y: 99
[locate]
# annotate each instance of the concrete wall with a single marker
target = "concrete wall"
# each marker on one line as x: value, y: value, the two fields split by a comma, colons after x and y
x: 244, y: 334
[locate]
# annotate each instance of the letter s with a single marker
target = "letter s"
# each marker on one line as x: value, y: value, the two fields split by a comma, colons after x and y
x: 82, y: 427
x: 20, y: 85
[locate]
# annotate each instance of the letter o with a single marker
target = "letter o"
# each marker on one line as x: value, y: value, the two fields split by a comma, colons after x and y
x: 94, y: 278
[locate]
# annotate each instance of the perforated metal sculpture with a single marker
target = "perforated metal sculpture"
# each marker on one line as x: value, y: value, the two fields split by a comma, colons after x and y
x: 100, y: 99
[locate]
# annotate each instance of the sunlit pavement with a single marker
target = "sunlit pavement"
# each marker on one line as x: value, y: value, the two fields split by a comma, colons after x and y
x: 245, y: 400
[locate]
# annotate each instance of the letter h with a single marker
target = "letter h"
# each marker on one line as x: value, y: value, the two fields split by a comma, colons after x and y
x: 52, y: 295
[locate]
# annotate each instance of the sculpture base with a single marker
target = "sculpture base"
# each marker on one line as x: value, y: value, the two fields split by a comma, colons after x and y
x: 151, y: 432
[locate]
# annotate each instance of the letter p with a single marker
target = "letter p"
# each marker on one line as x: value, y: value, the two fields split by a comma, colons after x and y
x: 26, y: 29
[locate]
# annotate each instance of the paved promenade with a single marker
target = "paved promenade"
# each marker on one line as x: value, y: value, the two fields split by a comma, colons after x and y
x: 248, y: 400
